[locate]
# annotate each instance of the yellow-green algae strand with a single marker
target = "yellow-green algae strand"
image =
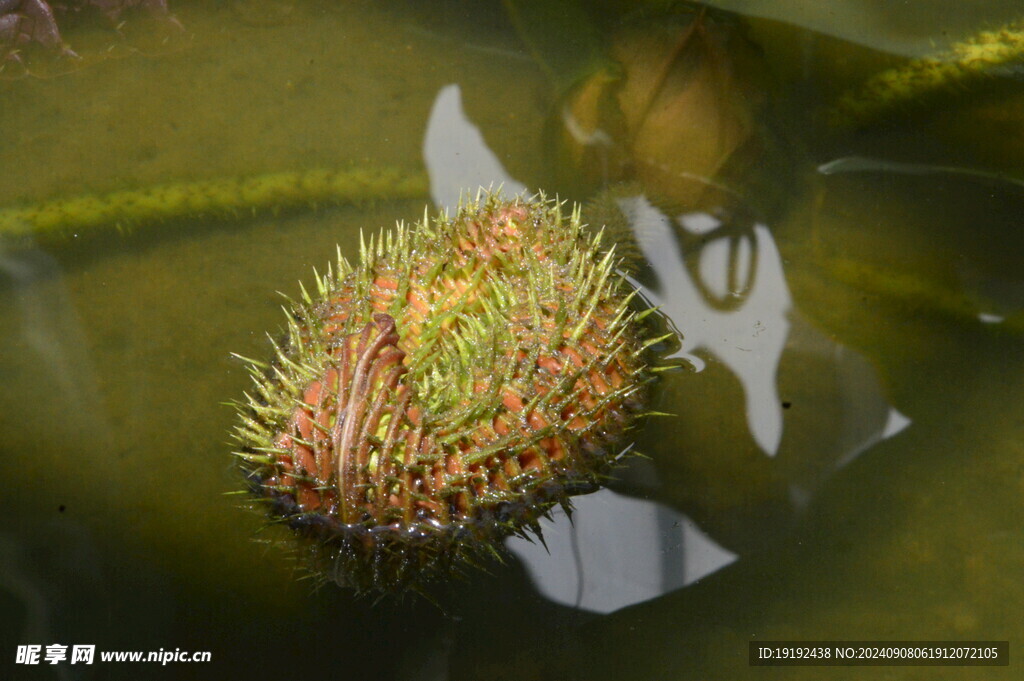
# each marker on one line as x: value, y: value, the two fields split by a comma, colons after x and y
x: 223, y: 197
x: 975, y: 56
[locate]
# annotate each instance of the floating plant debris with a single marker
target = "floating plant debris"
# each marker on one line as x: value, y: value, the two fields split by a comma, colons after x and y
x: 468, y: 375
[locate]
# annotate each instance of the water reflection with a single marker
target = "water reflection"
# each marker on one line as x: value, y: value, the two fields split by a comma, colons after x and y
x: 580, y: 564
x: 456, y: 155
x: 722, y: 283
x: 920, y: 536
x: 616, y: 551
x: 749, y: 333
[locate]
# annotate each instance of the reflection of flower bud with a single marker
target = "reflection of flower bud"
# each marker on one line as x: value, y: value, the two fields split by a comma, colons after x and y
x: 465, y: 377
x: 674, y: 118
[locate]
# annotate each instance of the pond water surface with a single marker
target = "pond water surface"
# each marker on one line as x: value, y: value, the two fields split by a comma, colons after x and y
x: 843, y: 459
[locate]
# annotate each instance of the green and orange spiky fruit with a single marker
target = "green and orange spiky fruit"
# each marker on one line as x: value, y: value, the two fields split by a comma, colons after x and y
x: 467, y: 376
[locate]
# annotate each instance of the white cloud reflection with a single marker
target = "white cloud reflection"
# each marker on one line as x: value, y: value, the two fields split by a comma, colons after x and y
x: 749, y: 335
x: 456, y: 155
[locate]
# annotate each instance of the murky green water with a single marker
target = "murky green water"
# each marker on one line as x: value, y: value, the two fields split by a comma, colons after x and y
x: 847, y: 464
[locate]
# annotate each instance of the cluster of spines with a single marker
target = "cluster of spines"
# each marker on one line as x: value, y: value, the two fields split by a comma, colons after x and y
x: 448, y: 357
x: 976, y: 56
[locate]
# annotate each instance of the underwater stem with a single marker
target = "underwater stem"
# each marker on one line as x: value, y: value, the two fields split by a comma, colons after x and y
x: 224, y: 198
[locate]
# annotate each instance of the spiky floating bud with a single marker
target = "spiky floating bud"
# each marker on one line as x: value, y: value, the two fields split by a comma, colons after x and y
x: 468, y: 375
